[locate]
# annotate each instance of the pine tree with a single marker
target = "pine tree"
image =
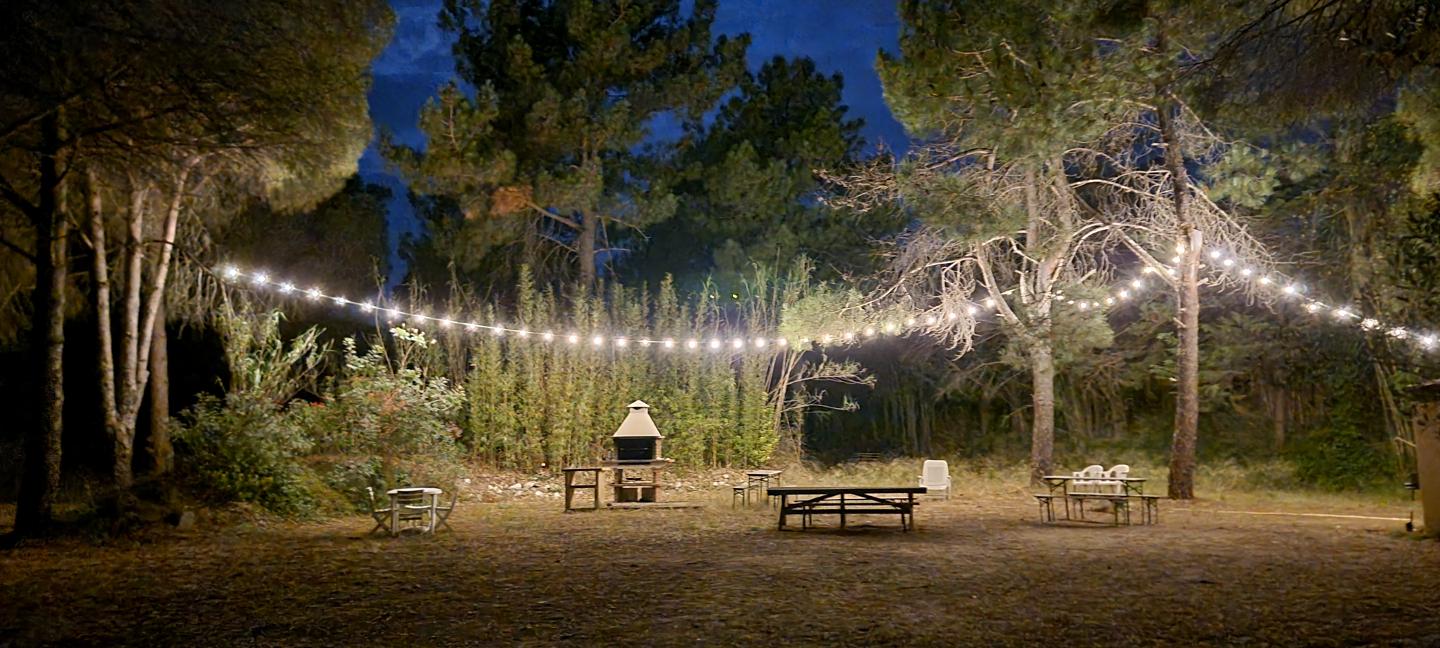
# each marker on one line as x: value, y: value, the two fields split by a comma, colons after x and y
x: 534, y: 141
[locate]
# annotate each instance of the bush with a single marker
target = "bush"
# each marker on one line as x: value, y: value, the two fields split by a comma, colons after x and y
x: 241, y: 448
x: 1340, y: 457
x: 386, y: 414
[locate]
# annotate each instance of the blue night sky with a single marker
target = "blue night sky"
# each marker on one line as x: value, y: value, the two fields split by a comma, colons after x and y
x: 840, y: 35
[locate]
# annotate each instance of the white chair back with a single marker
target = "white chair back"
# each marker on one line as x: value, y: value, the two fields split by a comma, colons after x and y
x: 1119, y: 471
x: 1086, y: 484
x: 935, y: 476
x: 936, y: 472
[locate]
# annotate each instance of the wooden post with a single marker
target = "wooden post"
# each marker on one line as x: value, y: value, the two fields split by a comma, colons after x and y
x: 1427, y: 452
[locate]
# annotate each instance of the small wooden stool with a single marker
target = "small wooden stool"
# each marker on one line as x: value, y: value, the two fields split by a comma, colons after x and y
x: 571, y: 486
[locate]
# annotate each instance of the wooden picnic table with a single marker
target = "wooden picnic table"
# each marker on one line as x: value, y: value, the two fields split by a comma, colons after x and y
x: 1129, y: 487
x: 846, y: 501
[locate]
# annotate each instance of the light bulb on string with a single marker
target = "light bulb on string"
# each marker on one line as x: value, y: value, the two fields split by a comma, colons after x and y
x: 230, y: 272
x: 597, y: 341
x: 714, y: 343
x: 548, y: 336
x: 621, y: 342
x: 339, y: 301
x: 737, y: 343
x: 759, y: 343
x: 869, y: 332
x: 780, y: 342
x: 669, y: 343
x: 1214, y: 254
x: 287, y: 288
x: 260, y: 278
x: 472, y: 327
x: 690, y: 344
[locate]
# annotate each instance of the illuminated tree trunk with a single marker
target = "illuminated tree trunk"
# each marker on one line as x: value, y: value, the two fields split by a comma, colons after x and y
x: 585, y: 248
x: 1042, y: 397
x: 1187, y: 361
x: 121, y: 406
x: 162, y: 453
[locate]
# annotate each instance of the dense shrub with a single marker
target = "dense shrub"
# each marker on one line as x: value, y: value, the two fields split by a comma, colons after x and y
x: 242, y: 448
x: 1341, y: 457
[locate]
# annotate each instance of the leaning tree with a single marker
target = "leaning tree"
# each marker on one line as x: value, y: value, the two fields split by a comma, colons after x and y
x: 1053, y: 141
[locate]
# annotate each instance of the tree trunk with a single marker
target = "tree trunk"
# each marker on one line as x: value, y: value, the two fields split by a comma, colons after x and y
x: 162, y: 453
x: 1279, y: 412
x: 1042, y: 396
x: 589, y: 230
x: 1187, y: 361
x: 105, y: 360
x: 40, y: 481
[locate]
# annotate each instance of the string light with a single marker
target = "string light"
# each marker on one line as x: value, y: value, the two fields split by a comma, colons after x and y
x: 262, y: 279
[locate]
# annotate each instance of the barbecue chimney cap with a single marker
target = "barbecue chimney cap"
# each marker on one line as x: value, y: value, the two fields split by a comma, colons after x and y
x: 637, y: 423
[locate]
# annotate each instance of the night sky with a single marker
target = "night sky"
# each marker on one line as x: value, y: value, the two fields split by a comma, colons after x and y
x: 840, y: 35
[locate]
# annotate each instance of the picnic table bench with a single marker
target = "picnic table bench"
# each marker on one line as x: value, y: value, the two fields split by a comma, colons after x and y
x: 845, y: 501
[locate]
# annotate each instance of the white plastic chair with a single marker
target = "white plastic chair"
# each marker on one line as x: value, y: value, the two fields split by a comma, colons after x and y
x: 1088, y: 479
x: 935, y: 475
x: 1109, y: 483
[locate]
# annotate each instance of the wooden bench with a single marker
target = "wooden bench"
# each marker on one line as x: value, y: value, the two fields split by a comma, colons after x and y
x: 845, y: 501
x: 1150, y: 508
x: 571, y: 485
x: 740, y: 492
x: 1047, y: 507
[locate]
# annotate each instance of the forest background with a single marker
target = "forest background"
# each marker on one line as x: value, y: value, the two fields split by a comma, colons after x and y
x: 549, y: 199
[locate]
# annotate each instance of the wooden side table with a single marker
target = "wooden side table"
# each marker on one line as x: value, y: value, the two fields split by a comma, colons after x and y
x: 572, y: 485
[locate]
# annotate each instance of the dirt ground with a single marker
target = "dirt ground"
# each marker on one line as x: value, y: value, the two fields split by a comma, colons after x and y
x: 981, y: 570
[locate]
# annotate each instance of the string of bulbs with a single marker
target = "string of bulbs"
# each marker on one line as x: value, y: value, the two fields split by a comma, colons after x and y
x: 1123, y: 292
